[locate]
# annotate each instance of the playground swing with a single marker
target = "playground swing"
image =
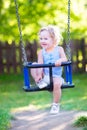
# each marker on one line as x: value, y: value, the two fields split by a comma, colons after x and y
x: 27, y: 65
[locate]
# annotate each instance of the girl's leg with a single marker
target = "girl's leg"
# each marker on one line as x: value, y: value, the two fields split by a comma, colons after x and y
x: 57, y: 82
x: 57, y: 90
x: 36, y: 73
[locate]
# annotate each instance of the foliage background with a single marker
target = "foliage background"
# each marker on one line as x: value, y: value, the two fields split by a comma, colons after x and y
x: 35, y: 13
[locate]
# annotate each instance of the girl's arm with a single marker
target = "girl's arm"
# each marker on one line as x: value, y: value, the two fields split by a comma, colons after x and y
x: 40, y: 61
x: 40, y: 57
x: 63, y: 57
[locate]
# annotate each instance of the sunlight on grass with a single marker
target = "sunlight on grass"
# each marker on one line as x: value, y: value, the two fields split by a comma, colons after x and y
x: 25, y: 108
x: 14, y: 99
x: 84, y: 98
x: 12, y: 95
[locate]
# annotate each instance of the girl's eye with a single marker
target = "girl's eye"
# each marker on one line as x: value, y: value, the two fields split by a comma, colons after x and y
x: 40, y: 38
x: 45, y: 38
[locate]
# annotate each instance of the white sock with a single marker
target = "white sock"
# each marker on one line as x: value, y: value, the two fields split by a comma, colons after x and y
x: 55, y: 103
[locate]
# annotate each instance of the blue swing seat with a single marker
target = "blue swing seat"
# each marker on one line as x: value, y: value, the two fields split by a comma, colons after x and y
x: 68, y: 76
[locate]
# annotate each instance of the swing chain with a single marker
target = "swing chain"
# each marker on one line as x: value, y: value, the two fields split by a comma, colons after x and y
x: 20, y: 32
x: 68, y: 49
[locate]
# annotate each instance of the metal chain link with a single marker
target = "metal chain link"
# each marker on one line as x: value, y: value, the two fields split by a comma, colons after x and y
x: 20, y: 32
x: 68, y: 49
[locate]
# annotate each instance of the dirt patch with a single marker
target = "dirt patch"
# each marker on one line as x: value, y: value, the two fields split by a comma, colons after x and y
x: 42, y: 120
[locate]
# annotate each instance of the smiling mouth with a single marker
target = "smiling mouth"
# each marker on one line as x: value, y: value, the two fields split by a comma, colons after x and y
x: 44, y: 44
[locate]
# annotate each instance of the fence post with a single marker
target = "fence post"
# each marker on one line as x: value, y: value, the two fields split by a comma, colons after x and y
x: 1, y: 60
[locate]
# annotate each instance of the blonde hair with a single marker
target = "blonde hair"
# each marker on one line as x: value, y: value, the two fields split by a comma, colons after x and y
x: 54, y: 32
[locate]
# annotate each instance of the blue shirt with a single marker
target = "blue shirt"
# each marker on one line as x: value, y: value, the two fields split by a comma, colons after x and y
x: 51, y: 57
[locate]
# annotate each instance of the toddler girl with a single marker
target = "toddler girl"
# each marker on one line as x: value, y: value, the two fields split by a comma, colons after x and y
x: 49, y: 38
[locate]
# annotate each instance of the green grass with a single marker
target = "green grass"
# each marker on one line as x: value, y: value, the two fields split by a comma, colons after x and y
x: 81, y: 122
x: 4, y: 119
x: 76, y: 98
x: 12, y: 95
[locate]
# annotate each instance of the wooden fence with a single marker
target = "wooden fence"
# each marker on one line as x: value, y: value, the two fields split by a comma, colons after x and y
x: 79, y: 55
x: 11, y: 56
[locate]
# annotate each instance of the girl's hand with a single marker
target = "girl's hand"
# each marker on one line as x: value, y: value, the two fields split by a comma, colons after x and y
x: 58, y: 63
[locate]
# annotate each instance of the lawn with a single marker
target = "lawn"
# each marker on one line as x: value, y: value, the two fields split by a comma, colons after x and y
x: 12, y: 95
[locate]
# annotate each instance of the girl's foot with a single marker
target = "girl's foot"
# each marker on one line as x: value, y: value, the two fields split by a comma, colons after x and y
x: 41, y: 84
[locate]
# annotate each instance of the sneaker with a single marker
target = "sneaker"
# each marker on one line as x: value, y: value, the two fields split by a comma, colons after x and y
x: 54, y: 109
x: 41, y: 84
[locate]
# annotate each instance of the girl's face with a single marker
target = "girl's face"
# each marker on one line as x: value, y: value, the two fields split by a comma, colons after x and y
x: 46, y: 41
